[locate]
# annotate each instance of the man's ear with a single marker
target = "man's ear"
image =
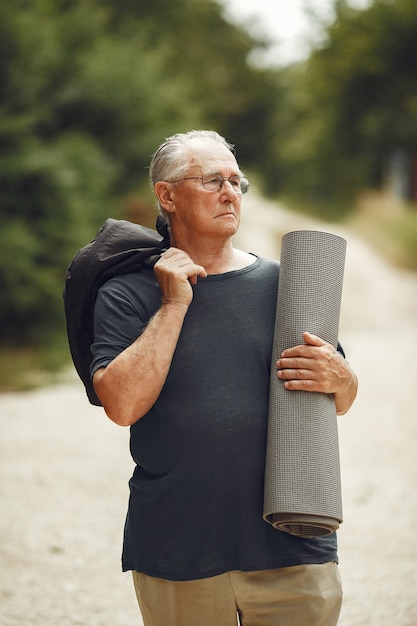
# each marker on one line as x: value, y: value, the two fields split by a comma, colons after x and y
x: 165, y: 194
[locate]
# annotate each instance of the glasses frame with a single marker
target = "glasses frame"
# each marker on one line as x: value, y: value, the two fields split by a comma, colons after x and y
x: 221, y: 180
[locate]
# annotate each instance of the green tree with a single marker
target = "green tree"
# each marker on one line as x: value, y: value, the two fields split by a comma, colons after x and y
x: 88, y: 89
x: 354, y: 101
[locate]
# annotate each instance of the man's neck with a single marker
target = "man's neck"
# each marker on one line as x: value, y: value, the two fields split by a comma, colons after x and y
x: 216, y: 259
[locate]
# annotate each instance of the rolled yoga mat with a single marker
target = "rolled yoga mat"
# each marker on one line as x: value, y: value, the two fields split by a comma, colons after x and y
x: 302, y: 473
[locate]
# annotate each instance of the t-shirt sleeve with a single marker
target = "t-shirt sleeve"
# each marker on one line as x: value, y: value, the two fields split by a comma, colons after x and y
x: 119, y: 319
x: 340, y: 349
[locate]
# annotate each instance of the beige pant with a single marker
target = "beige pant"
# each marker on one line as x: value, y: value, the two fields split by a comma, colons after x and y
x: 304, y: 595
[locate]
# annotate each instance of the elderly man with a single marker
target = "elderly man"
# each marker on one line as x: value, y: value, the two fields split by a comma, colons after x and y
x: 182, y: 356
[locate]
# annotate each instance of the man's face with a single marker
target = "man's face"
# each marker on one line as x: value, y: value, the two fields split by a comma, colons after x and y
x: 198, y: 211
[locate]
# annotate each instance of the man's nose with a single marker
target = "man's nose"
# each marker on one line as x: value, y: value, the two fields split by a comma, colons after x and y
x: 228, y: 187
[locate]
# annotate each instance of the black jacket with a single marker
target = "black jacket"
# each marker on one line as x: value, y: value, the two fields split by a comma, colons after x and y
x: 119, y: 247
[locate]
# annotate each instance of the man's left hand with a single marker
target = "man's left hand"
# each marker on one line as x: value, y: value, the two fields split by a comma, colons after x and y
x: 317, y: 366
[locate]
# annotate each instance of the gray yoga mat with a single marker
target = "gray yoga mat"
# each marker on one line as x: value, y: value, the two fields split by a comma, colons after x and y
x: 302, y: 473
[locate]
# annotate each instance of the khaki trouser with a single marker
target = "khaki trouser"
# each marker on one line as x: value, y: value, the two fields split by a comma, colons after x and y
x: 304, y: 595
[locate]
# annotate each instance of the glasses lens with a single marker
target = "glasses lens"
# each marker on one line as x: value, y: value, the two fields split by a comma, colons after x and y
x: 212, y: 182
x: 236, y: 183
x: 244, y: 185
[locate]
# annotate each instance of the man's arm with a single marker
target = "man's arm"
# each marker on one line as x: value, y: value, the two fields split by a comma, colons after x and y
x: 132, y: 382
x: 316, y: 366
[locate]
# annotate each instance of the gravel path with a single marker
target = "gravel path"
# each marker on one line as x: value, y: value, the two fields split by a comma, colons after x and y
x: 64, y: 467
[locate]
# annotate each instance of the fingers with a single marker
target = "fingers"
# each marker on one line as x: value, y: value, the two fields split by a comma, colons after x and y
x: 313, y: 366
x: 298, y: 373
x: 313, y: 340
x: 176, y: 272
x: 306, y: 380
x: 310, y: 340
x: 177, y: 261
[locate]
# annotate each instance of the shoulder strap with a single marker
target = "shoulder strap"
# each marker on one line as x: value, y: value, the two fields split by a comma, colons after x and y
x: 118, y: 248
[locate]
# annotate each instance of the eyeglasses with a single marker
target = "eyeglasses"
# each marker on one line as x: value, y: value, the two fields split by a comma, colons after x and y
x: 214, y: 182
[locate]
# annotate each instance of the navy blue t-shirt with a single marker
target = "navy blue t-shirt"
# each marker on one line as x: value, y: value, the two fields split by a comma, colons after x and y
x: 196, y: 495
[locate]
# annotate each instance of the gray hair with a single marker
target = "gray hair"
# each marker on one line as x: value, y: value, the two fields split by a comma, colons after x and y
x: 170, y: 162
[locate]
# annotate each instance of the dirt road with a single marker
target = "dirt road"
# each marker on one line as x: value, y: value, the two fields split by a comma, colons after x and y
x: 64, y: 467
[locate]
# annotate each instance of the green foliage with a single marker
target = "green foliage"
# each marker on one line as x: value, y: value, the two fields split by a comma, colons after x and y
x: 50, y: 197
x: 352, y: 103
x: 88, y: 89
x: 367, y: 75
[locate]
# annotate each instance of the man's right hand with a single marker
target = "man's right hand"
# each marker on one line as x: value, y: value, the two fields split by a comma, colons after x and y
x: 176, y: 272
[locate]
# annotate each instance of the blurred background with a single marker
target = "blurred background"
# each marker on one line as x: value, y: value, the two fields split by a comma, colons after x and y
x: 320, y: 99
x: 324, y: 118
